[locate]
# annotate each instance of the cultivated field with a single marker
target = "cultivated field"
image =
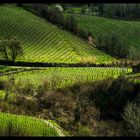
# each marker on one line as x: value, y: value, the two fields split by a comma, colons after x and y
x: 61, y: 77
x: 129, y: 30
x: 17, y: 125
x: 38, y: 91
x: 44, y: 42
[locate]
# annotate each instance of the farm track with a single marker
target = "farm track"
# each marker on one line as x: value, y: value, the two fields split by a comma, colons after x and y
x: 18, y: 71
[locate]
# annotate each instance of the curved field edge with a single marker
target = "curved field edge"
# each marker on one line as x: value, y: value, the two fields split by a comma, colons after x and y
x: 44, y: 42
x: 28, y: 126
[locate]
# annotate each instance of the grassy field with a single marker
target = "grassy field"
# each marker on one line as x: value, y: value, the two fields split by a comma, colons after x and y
x: 44, y: 42
x: 61, y: 77
x: 128, y: 30
x: 17, y: 125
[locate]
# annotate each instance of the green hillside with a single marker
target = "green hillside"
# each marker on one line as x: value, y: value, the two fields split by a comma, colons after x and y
x: 44, y: 42
x: 129, y: 30
x: 17, y: 125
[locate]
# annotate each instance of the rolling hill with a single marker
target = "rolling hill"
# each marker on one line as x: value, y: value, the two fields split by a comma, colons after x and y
x: 44, y: 42
x: 128, y: 30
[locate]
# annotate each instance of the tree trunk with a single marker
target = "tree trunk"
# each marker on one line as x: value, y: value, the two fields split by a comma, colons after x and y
x: 6, y: 96
x: 6, y: 55
x: 13, y: 59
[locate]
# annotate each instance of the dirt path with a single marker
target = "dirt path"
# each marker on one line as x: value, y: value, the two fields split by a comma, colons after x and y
x: 55, y: 127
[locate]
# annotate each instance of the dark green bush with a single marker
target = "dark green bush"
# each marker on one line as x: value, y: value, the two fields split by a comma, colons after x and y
x: 113, y: 45
x: 110, y: 96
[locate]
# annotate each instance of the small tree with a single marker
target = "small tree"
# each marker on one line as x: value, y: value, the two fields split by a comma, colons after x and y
x: 10, y: 48
x: 15, y: 49
x: 132, y: 119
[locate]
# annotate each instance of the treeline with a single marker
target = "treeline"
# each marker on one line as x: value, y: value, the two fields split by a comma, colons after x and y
x: 113, y: 45
x: 129, y: 63
x: 120, y: 11
x: 10, y: 48
x: 116, y: 10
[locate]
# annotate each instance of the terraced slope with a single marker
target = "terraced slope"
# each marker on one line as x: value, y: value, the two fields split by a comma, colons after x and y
x: 129, y: 30
x: 44, y: 42
x: 17, y: 125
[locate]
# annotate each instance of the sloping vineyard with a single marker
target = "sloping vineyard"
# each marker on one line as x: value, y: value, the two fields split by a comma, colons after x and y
x: 27, y: 90
x: 44, y: 42
x: 129, y: 30
x: 61, y: 77
x: 17, y: 125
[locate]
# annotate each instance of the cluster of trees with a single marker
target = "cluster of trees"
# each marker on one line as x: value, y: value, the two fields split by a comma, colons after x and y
x: 111, y: 106
x: 118, y: 11
x: 123, y: 11
x: 56, y: 17
x: 120, y: 100
x: 111, y: 96
x: 113, y: 45
x: 10, y: 49
x: 115, y: 10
